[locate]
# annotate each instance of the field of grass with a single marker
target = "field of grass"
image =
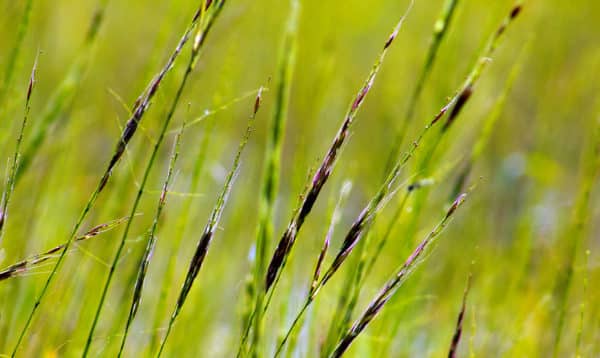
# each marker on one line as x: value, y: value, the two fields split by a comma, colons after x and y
x: 300, y: 178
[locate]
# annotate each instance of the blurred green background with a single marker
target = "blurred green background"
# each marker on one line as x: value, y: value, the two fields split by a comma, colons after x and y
x: 513, y: 234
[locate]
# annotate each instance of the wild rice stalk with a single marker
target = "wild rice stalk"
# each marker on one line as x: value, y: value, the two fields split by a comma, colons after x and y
x: 144, y: 102
x: 31, y: 262
x: 575, y: 232
x: 394, y: 283
x: 62, y: 98
x: 145, y: 261
x: 198, y: 42
x: 440, y: 29
x: 210, y: 228
x: 270, y: 185
x: 10, y: 183
x: 459, y: 321
x: 324, y: 171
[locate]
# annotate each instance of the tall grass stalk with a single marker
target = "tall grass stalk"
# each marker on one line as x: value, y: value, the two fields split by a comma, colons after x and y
x: 183, y: 220
x: 201, y: 34
x: 440, y: 28
x: 459, y: 321
x: 365, y: 219
x: 575, y: 232
x: 286, y: 243
x: 465, y: 94
x: 10, y: 183
x: 453, y: 108
x: 145, y: 261
x: 128, y: 133
x: 392, y: 285
x: 270, y: 185
x: 210, y: 228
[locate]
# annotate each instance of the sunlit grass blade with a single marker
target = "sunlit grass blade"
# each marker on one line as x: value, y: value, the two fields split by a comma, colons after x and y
x: 394, y: 283
x: 211, y: 226
x: 201, y: 35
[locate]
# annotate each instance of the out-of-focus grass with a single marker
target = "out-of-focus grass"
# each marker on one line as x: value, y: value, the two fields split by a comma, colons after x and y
x: 515, y: 235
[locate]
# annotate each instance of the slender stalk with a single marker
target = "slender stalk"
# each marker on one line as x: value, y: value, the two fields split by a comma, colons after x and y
x: 148, y: 253
x: 186, y: 210
x: 199, y: 41
x: 130, y: 129
x: 459, y: 321
x: 575, y: 233
x: 368, y: 215
x: 394, y: 283
x: 210, y: 228
x: 325, y: 169
x: 10, y: 183
x: 270, y: 184
x: 440, y: 29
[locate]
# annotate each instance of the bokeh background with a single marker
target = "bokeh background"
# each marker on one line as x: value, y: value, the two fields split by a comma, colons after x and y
x: 513, y: 234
